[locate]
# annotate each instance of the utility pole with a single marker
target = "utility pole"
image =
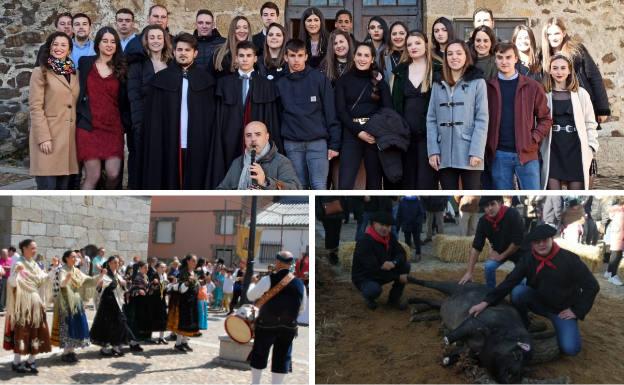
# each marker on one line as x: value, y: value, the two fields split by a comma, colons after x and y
x: 250, y: 251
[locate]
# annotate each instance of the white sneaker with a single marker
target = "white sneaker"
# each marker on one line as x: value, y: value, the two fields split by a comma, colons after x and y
x: 607, y: 275
x: 616, y: 280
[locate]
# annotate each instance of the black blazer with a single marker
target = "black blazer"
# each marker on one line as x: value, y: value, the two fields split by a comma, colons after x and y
x: 83, y: 111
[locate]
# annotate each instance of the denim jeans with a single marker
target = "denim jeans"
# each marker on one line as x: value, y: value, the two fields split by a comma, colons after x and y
x: 525, y: 298
x: 490, y: 272
x: 366, y: 217
x: 310, y: 162
x: 506, y: 164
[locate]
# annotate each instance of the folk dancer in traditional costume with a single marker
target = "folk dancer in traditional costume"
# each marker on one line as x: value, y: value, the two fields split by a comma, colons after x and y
x: 26, y: 329
x: 183, y: 319
x: 281, y: 298
x: 71, y: 287
x: 110, y: 327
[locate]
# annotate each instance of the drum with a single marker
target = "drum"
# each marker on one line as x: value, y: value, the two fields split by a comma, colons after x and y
x: 239, y: 326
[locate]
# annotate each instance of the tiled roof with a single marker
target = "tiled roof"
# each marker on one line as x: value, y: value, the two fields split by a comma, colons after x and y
x: 287, y: 214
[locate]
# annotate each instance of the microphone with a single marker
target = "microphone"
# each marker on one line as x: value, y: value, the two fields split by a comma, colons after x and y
x: 253, y: 160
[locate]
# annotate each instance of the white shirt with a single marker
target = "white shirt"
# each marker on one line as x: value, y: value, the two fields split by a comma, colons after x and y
x: 184, y: 114
x: 255, y: 291
x: 228, y: 284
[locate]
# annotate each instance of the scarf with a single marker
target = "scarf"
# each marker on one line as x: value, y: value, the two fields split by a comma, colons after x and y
x: 62, y: 66
x: 375, y: 235
x: 76, y: 288
x: 24, y: 304
x: 499, y: 217
x: 245, y: 178
x: 546, y: 261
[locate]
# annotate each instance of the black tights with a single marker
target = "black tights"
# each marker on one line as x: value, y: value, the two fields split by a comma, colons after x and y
x: 556, y: 184
x: 450, y: 177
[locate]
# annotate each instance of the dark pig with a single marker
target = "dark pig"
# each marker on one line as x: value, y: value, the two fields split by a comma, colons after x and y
x: 497, y: 336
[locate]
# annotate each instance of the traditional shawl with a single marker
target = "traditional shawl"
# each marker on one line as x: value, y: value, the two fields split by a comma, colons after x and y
x: 119, y: 291
x: 79, y: 282
x: 24, y: 301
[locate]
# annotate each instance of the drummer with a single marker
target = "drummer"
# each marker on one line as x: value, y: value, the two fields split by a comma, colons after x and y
x: 276, y: 323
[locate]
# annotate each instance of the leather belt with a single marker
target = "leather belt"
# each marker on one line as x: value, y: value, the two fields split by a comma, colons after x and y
x: 567, y: 128
x: 362, y: 121
x: 451, y: 104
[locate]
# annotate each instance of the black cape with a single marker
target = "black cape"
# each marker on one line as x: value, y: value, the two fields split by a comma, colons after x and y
x: 231, y: 121
x: 161, y: 140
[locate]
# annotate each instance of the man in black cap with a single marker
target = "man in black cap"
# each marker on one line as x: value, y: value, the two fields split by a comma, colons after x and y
x: 502, y: 226
x: 559, y: 287
x: 379, y: 259
x: 281, y: 298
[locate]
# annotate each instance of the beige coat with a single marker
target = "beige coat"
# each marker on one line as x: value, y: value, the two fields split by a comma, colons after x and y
x: 53, y: 117
x: 585, y: 123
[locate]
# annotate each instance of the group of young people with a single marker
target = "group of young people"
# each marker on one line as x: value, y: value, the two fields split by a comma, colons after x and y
x: 418, y: 111
x: 130, y: 309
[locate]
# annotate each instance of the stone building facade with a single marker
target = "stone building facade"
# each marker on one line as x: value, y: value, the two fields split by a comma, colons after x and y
x: 58, y: 223
x: 25, y: 23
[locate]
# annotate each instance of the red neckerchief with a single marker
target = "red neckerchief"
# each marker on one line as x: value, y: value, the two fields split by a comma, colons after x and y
x: 499, y: 217
x: 546, y: 261
x: 375, y: 235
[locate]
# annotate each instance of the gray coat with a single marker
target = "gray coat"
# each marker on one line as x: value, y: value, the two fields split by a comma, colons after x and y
x: 457, y: 142
x: 278, y: 169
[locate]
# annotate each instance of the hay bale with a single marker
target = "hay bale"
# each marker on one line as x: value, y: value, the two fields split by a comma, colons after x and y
x: 345, y: 254
x: 591, y: 255
x: 454, y: 248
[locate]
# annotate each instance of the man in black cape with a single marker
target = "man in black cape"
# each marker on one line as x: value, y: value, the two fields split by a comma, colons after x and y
x: 234, y: 113
x: 179, y: 121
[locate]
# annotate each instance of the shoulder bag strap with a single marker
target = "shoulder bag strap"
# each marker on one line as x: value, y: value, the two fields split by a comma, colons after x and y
x: 275, y: 289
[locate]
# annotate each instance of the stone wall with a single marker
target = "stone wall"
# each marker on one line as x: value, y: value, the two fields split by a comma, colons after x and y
x: 57, y: 223
x: 25, y: 23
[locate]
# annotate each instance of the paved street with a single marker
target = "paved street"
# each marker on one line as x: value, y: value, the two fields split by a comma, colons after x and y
x: 158, y: 364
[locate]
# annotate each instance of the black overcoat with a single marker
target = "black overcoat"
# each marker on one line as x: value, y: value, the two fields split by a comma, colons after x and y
x: 161, y: 140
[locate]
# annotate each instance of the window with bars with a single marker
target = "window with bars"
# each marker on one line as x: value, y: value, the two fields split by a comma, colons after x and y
x: 268, y: 251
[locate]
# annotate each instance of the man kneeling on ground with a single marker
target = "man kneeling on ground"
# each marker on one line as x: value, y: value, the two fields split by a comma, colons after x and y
x: 559, y: 287
x: 269, y: 170
x: 379, y: 259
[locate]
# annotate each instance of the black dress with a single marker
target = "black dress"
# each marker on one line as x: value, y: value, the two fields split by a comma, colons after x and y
x: 566, y: 162
x: 417, y: 173
x: 138, y: 309
x: 110, y: 325
x: 157, y: 304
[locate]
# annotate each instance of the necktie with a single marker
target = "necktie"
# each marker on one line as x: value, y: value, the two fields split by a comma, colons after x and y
x: 245, y: 86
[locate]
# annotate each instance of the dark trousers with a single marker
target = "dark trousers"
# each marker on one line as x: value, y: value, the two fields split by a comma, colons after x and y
x: 332, y: 228
x: 351, y: 153
x: 371, y: 289
x: 281, y: 339
x: 56, y: 182
x: 450, y: 177
x: 413, y: 236
x: 417, y: 173
x: 614, y: 265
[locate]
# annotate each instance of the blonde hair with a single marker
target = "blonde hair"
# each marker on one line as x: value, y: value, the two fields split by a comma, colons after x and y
x: 405, y: 58
x: 229, y: 47
x: 572, y: 83
x: 569, y: 47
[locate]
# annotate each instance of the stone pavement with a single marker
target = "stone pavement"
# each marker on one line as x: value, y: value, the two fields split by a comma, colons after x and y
x: 158, y: 364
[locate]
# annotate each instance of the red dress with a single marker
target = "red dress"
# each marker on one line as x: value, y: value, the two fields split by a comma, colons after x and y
x: 106, y: 139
